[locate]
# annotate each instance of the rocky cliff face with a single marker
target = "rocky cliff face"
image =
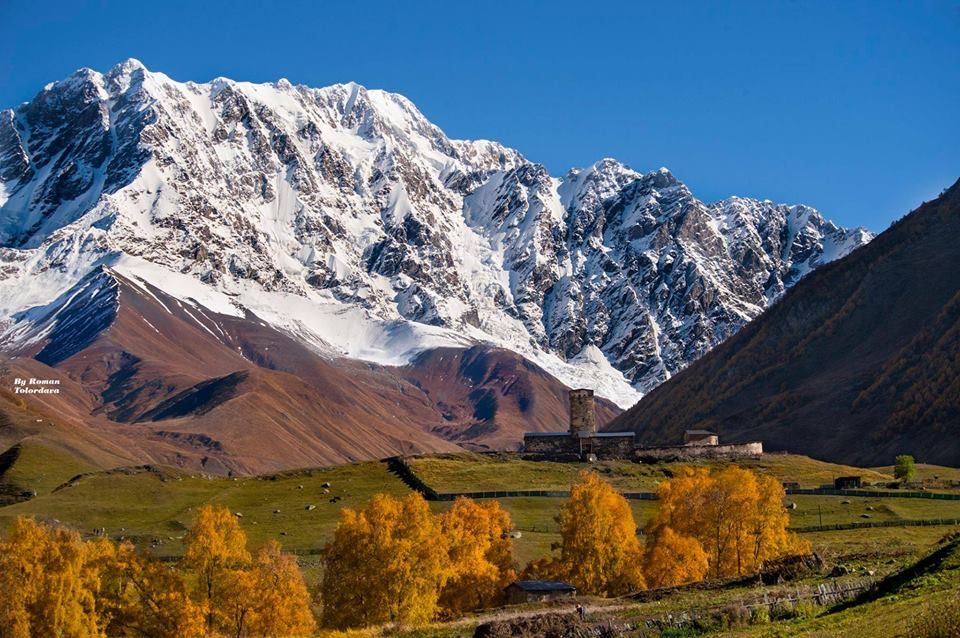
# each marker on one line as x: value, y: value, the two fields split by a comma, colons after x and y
x: 342, y: 216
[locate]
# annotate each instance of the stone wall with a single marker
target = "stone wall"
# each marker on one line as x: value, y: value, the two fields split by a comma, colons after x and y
x: 692, y: 452
x: 554, y: 445
x: 566, y: 446
x: 609, y: 447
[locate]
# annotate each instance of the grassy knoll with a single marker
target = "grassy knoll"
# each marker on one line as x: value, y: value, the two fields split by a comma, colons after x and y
x: 470, y: 473
x: 150, y: 506
x: 838, y: 509
x: 39, y: 468
x: 901, y: 604
x: 927, y: 472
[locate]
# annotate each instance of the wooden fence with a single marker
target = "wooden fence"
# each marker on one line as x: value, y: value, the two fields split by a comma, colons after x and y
x: 868, y: 524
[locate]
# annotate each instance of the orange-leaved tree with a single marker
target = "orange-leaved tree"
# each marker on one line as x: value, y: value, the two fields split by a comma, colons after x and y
x: 270, y: 598
x: 54, y: 584
x: 386, y: 563
x: 48, y: 583
x: 736, y: 515
x: 480, y: 553
x: 672, y: 559
x: 141, y: 596
x: 599, y: 550
x: 216, y: 548
x: 266, y: 597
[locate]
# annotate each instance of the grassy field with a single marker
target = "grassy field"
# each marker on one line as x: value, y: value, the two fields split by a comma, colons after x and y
x: 470, y: 473
x: 154, y: 506
x: 535, y: 518
x: 927, y: 472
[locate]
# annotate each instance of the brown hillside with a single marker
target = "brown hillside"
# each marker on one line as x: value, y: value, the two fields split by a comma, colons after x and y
x: 487, y: 398
x: 857, y: 363
x: 157, y: 380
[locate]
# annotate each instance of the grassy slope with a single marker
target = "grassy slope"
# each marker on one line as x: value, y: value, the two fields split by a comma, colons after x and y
x: 42, y: 469
x: 927, y: 472
x: 151, y: 506
x: 148, y: 505
x: 893, y: 613
x: 461, y: 473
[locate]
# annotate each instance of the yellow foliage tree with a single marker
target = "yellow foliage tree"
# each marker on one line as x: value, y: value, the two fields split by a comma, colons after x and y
x: 54, y: 584
x: 271, y: 598
x: 736, y: 515
x: 386, y: 563
x: 48, y: 583
x: 144, y: 597
x: 672, y: 559
x: 599, y: 551
x: 480, y: 553
x: 216, y: 547
x: 769, y: 533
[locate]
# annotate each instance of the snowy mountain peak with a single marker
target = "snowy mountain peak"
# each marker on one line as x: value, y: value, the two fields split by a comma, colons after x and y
x: 345, y: 217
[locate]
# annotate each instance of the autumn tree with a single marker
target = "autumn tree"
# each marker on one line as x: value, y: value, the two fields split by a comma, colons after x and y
x: 266, y: 597
x: 48, y: 583
x: 599, y: 550
x: 672, y: 559
x: 386, y: 563
x: 768, y: 530
x: 216, y: 547
x: 736, y: 515
x: 54, y: 584
x: 480, y: 555
x: 270, y: 598
x: 143, y: 597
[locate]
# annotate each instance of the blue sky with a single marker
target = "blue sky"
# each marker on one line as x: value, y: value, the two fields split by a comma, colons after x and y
x: 851, y: 107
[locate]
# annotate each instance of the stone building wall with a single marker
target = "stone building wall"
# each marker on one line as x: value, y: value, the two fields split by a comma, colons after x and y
x: 553, y: 445
x: 609, y: 447
x: 691, y: 452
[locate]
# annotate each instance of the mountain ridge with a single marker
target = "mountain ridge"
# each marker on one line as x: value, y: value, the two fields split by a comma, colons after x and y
x: 857, y: 363
x: 350, y: 198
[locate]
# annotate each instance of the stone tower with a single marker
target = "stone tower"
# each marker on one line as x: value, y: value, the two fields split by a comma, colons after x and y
x: 582, y: 418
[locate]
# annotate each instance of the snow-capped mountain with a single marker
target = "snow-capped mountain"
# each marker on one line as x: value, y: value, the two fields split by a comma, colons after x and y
x: 343, y: 217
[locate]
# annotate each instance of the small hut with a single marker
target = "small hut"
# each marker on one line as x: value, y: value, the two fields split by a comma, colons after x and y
x: 700, y: 437
x: 847, y: 482
x: 537, y: 591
